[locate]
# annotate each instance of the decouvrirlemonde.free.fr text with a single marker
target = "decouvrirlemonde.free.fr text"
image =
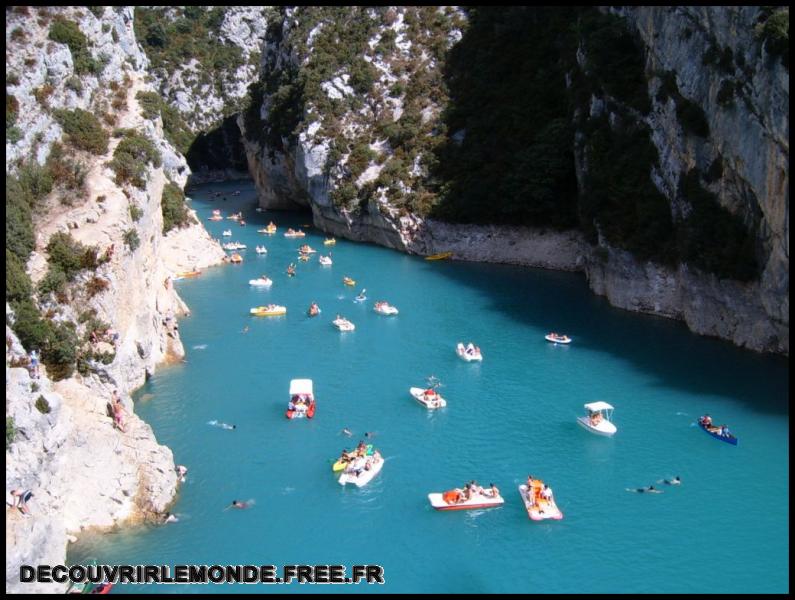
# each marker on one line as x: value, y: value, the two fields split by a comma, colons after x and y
x: 201, y: 574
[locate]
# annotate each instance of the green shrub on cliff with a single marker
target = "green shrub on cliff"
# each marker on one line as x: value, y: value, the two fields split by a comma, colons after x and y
x: 68, y: 32
x: 132, y: 157
x: 84, y: 130
x: 175, y: 129
x: 131, y: 239
x: 773, y: 29
x: 11, y: 432
x: 175, y: 212
x: 42, y: 405
x: 18, y: 286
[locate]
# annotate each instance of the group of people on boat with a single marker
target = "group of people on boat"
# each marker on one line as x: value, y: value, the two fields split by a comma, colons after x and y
x: 357, y: 461
x: 595, y: 418
x: 293, y: 233
x: 469, y: 492
x: 291, y: 270
x: 706, y: 421
x: 314, y: 310
x: 305, y: 249
x: 471, y: 350
x: 537, y: 491
x: 300, y: 402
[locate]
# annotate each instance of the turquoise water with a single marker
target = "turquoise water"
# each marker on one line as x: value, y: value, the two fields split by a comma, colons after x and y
x: 725, y: 529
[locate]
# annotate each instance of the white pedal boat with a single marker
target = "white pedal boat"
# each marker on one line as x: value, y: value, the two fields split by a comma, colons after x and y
x: 365, y: 476
x: 477, y: 501
x: 557, y: 339
x: 431, y: 400
x: 469, y: 357
x: 382, y: 308
x: 325, y: 261
x: 227, y: 233
x: 598, y: 420
x: 544, y: 509
x: 343, y: 324
x: 260, y: 282
x: 261, y: 250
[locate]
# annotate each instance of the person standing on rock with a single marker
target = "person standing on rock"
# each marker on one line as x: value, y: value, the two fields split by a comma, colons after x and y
x: 20, y: 498
x: 34, y: 364
x: 118, y: 412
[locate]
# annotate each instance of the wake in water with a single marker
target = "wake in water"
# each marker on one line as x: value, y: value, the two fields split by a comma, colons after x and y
x: 221, y: 425
x: 200, y: 347
x: 679, y: 413
x: 241, y: 505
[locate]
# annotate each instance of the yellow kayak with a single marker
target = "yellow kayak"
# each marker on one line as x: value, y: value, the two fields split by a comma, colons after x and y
x: 188, y: 274
x: 348, y: 281
x: 441, y: 256
x: 268, y: 311
x: 329, y: 242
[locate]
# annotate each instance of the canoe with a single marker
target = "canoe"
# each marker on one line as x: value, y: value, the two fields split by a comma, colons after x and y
x: 366, y: 476
x: 729, y: 439
x: 477, y: 501
x: 440, y: 256
x: 348, y: 281
x: 330, y: 242
x: 236, y: 258
x: 294, y: 234
x: 264, y: 311
x: 419, y: 395
x: 545, y: 509
x: 340, y: 465
x: 564, y: 340
x: 187, y: 274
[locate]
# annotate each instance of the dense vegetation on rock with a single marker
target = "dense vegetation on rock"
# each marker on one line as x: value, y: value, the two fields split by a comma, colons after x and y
x: 175, y: 212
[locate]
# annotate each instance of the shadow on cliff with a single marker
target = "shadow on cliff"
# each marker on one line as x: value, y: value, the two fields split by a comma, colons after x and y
x: 663, y: 348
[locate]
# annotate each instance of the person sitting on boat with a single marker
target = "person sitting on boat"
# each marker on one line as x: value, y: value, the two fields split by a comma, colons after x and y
x: 291, y: 405
x: 546, y: 493
x: 706, y: 420
x: 494, y: 491
x: 470, y: 348
x: 361, y: 449
x: 724, y: 431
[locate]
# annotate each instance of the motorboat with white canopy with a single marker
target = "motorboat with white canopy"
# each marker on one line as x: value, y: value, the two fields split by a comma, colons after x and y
x: 599, y: 418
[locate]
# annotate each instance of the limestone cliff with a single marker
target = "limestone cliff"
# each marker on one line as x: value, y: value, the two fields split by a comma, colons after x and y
x: 82, y: 471
x: 316, y: 136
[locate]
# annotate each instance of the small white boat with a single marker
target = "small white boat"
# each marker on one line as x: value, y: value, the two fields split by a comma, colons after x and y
x: 383, y: 308
x: 258, y: 209
x: 557, y: 338
x: 261, y: 250
x: 260, y: 282
x: 343, y: 324
x: 469, y: 352
x: 599, y: 418
x: 428, y: 397
x: 543, y: 508
x: 325, y: 261
x: 227, y: 233
x: 453, y: 500
x: 234, y: 246
x: 362, y: 470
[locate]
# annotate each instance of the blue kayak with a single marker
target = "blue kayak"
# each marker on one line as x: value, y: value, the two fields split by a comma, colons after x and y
x: 729, y: 439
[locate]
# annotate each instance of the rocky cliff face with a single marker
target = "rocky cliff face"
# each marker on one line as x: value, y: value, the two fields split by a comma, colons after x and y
x: 710, y: 58
x: 82, y: 471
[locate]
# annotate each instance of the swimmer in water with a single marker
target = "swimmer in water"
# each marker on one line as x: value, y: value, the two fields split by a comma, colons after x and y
x: 649, y: 490
x: 169, y: 518
x: 221, y: 425
x: 239, y: 504
x: 369, y: 434
x: 347, y: 432
x: 674, y: 481
x: 245, y: 329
